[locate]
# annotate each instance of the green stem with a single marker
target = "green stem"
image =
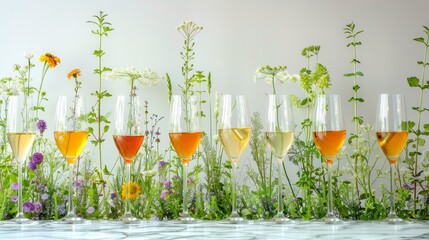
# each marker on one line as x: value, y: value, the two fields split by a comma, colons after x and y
x: 288, y: 180
x: 419, y: 125
x: 39, y: 91
x: 99, y: 135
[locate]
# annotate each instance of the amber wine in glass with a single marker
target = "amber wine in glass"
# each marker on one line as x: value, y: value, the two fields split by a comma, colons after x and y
x: 21, y: 134
x: 128, y: 138
x: 234, y: 134
x: 391, y: 131
x: 71, y: 134
x: 329, y: 134
x: 185, y: 136
x: 279, y: 137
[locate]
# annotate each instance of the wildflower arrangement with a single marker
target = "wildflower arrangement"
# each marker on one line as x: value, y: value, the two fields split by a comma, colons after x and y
x: 155, y: 187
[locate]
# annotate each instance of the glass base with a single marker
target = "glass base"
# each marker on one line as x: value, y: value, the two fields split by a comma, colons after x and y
x: 394, y: 219
x: 185, y: 218
x: 234, y: 218
x: 332, y: 219
x: 128, y: 218
x: 20, y: 219
x: 282, y: 219
x: 73, y: 219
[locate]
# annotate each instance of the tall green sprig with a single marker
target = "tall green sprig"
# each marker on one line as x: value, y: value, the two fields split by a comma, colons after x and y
x: 313, y: 82
x: 351, y: 34
x: 418, y: 129
x: 188, y: 30
x: 102, y: 29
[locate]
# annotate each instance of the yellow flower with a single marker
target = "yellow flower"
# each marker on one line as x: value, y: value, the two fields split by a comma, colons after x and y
x: 74, y: 73
x: 134, y: 190
x: 52, y: 60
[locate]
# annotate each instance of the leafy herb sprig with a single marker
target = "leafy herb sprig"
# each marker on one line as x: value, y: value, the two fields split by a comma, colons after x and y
x: 102, y: 29
x: 419, y: 129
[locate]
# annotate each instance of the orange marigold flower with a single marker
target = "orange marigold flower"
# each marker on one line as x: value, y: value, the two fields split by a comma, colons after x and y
x: 52, y: 60
x: 74, y: 73
x: 134, y: 190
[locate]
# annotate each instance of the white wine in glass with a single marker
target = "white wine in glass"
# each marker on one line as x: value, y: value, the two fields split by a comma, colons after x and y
x: 71, y: 134
x: 391, y: 131
x: 128, y: 138
x: 185, y: 136
x: 21, y: 132
x: 234, y: 134
x: 279, y: 134
x: 329, y: 134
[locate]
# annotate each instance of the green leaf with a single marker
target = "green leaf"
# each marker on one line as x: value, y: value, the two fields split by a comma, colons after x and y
x: 106, y: 128
x: 426, y: 126
x: 106, y: 172
x: 359, y: 74
x: 348, y: 74
x: 421, y: 142
x: 413, y: 81
x: 356, y: 87
x: 420, y: 39
x: 98, y: 53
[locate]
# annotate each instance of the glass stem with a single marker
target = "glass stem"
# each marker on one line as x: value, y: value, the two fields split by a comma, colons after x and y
x: 185, y: 189
x: 127, y: 200
x: 330, y: 208
x: 280, y: 199
x: 71, y: 181
x: 20, y: 213
x: 234, y: 189
x: 392, y: 190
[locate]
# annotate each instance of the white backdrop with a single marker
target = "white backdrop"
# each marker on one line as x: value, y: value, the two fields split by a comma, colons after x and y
x: 238, y: 37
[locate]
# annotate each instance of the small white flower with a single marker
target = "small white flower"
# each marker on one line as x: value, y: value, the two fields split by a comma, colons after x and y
x: 149, y: 173
x: 145, y: 77
x: 28, y: 55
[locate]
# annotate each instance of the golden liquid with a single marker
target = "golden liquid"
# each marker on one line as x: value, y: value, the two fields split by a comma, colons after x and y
x: 21, y: 144
x: 279, y: 143
x: 71, y: 143
x: 329, y: 143
x: 392, y: 144
x: 234, y: 141
x: 185, y: 144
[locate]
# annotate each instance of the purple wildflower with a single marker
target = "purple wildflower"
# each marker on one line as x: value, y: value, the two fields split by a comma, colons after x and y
x: 40, y: 187
x: 157, y: 133
x: 14, y: 198
x: 41, y: 126
x: 189, y: 180
x: 65, y: 198
x: 32, y: 165
x: 38, y: 207
x: 146, y: 132
x: 44, y: 196
x: 167, y: 183
x: 90, y: 210
x: 33, y: 181
x: 113, y: 195
x: 28, y: 207
x: 176, y: 176
x: 163, y: 194
x: 406, y: 186
x: 161, y: 164
x: 37, y: 158
x: 78, y: 184
x: 61, y: 209
x: 14, y: 186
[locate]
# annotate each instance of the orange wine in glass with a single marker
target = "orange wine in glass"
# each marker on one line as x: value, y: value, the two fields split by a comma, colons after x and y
x: 71, y: 134
x: 185, y: 136
x: 128, y: 138
x: 391, y: 131
x: 329, y: 134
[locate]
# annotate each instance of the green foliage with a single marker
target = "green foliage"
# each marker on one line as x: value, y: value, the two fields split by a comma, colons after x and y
x: 417, y: 131
x: 102, y: 29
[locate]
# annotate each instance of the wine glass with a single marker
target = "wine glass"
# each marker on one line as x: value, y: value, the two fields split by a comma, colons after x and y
x: 279, y: 137
x: 128, y: 138
x: 21, y: 133
x: 234, y: 134
x: 391, y: 131
x: 185, y: 136
x: 71, y: 134
x: 329, y: 135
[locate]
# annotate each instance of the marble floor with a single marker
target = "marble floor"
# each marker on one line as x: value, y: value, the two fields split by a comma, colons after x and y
x: 215, y: 230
